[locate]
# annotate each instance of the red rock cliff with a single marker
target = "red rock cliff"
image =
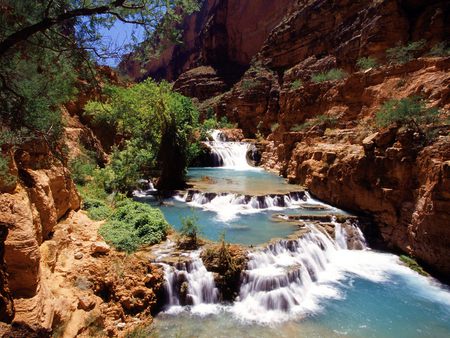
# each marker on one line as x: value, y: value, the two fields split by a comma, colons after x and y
x: 224, y: 34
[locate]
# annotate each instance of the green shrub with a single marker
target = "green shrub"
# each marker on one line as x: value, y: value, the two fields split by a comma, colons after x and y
x: 5, y: 177
x: 410, y: 111
x: 405, y: 53
x: 97, y: 209
x: 189, y: 233
x: 82, y: 167
x: 132, y: 225
x: 413, y: 265
x: 225, y: 123
x: 249, y: 84
x: 141, y: 331
x: 296, y: 84
x: 331, y: 75
x: 440, y: 49
x: 327, y: 121
x: 366, y: 63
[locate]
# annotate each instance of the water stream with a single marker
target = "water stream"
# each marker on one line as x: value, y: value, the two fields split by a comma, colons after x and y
x: 324, y: 283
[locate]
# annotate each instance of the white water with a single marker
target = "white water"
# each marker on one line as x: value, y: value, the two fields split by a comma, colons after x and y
x: 147, y: 191
x: 201, y: 294
x: 290, y: 279
x: 284, y: 279
x: 231, y: 155
x: 228, y: 206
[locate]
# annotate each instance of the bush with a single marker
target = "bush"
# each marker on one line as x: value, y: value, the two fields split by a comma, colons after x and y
x: 403, y: 54
x: 97, y: 209
x: 189, y: 233
x: 249, y: 84
x: 366, y: 63
x: 410, y: 111
x: 133, y: 225
x: 325, y: 120
x: 331, y: 75
x: 440, y: 49
x: 296, y: 84
x: 82, y: 167
x: 413, y: 265
x: 5, y: 177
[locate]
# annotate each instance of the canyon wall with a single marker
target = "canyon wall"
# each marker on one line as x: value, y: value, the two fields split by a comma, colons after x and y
x: 398, y: 178
x: 223, y: 35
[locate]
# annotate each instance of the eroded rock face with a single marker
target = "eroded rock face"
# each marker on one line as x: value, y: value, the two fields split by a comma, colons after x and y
x: 6, y: 301
x: 224, y: 34
x: 226, y: 261
x: 201, y: 82
x: 44, y: 193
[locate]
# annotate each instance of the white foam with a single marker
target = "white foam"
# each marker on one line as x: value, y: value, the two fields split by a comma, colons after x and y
x: 230, y: 206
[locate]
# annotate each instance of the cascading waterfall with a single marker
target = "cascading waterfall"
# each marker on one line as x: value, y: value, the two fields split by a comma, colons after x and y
x: 199, y: 287
x: 228, y: 154
x: 277, y: 283
x: 280, y: 277
x: 228, y: 205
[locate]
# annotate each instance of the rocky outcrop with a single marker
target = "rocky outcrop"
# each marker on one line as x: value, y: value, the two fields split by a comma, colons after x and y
x: 226, y: 262
x: 6, y: 301
x: 201, y: 82
x: 43, y: 194
x: 223, y: 34
x: 253, y: 102
x: 388, y: 174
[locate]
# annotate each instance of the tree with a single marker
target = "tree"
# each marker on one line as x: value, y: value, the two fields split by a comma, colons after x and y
x: 157, y: 125
x: 23, y: 19
x: 48, y: 46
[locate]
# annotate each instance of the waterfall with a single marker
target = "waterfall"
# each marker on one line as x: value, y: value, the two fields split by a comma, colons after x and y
x: 280, y: 278
x: 146, y: 189
x: 229, y: 205
x: 189, y: 283
x: 228, y: 154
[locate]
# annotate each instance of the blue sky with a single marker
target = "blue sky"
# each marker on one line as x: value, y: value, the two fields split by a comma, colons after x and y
x: 119, y: 35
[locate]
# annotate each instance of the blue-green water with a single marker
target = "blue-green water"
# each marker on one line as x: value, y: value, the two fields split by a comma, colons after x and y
x: 358, y: 294
x: 252, y: 182
x: 241, y: 224
x: 363, y: 294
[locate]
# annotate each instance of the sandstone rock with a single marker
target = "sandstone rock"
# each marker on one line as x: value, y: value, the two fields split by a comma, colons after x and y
x: 201, y: 82
x: 99, y: 248
x: 78, y: 255
x: 6, y: 301
x: 369, y: 142
x: 224, y: 34
x: 85, y: 303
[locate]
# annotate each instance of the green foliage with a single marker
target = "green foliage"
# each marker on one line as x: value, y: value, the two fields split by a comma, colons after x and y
x: 132, y: 225
x: 413, y: 265
x: 440, y: 49
x: 405, y: 53
x: 155, y: 122
x: 97, y: 210
x: 189, y: 233
x: 296, y: 84
x: 5, y: 177
x: 83, y: 166
x: 410, y: 111
x: 30, y: 99
x: 140, y: 331
x: 332, y: 75
x: 366, y: 63
x: 249, y: 84
x: 324, y: 120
